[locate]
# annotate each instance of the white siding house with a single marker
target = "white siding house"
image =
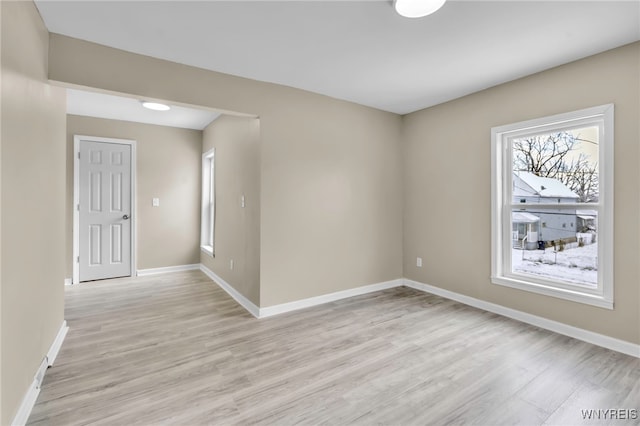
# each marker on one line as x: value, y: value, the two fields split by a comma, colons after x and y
x: 533, y: 224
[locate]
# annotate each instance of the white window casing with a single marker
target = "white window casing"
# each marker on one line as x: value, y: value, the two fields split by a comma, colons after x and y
x: 207, y: 222
x: 503, y: 205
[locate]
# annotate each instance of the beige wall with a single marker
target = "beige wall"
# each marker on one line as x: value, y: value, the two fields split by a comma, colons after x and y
x: 32, y: 193
x: 447, y: 211
x: 167, y: 167
x: 331, y: 200
x: 237, y: 172
x: 330, y: 196
x: 1, y: 137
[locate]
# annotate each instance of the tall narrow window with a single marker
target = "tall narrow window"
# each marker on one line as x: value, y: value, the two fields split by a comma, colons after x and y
x: 207, y: 241
x: 552, y: 202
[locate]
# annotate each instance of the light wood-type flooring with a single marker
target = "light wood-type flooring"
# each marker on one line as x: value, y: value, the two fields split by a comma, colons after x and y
x: 176, y: 349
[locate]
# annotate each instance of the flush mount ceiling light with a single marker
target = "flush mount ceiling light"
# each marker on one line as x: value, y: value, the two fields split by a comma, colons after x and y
x: 155, y: 106
x: 417, y: 8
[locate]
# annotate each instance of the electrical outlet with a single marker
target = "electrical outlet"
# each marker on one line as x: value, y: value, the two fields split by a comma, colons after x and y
x: 419, y: 262
x: 155, y: 202
x: 242, y: 202
x: 231, y: 264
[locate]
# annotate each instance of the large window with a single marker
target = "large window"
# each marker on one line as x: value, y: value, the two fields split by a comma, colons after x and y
x: 207, y: 223
x: 552, y: 206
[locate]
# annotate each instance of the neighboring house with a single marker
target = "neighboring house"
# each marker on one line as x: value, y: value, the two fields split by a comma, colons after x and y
x: 537, y: 224
x: 586, y: 220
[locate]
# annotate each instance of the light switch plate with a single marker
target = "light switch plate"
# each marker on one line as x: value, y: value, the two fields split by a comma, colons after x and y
x: 155, y: 202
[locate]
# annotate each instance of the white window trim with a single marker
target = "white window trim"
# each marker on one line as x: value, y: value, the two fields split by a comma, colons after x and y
x: 207, y: 219
x: 501, y: 176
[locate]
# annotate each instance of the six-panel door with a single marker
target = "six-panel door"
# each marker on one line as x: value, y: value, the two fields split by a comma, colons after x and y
x: 105, y: 210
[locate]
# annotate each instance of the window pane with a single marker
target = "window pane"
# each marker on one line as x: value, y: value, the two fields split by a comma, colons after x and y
x: 559, y: 167
x: 556, y: 244
x: 212, y: 195
x: 207, y: 225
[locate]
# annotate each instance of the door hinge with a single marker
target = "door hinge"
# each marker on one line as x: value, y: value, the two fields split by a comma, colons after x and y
x: 78, y: 155
x: 78, y: 207
x: 78, y: 259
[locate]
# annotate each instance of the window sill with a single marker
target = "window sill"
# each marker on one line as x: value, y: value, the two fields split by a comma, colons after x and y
x: 207, y: 249
x: 560, y: 293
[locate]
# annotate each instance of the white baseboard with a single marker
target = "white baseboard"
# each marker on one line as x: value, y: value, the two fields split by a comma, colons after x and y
x: 555, y: 326
x: 29, y: 400
x: 27, y: 404
x: 298, y: 304
x: 326, y: 298
x: 52, y: 354
x: 243, y: 301
x: 68, y: 281
x: 167, y: 269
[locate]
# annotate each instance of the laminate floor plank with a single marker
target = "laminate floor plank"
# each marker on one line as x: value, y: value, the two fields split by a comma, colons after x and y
x: 175, y: 349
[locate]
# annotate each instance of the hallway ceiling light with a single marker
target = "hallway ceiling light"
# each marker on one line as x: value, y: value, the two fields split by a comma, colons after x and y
x: 155, y: 106
x: 417, y: 8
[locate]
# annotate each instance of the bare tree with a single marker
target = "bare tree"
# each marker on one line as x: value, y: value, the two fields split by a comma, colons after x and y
x: 581, y: 177
x: 551, y: 156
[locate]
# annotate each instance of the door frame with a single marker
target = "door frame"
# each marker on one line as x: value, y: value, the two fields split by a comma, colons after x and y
x: 77, y: 140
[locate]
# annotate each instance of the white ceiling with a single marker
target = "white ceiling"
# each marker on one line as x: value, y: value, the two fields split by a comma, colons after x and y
x: 101, y: 105
x: 360, y: 51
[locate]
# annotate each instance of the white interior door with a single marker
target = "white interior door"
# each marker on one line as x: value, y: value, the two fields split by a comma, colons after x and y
x: 104, y: 210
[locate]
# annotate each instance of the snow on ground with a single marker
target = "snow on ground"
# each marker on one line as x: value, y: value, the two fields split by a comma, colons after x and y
x: 577, y: 265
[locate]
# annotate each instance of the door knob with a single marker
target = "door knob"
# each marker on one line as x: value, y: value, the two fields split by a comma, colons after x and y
x: 125, y: 217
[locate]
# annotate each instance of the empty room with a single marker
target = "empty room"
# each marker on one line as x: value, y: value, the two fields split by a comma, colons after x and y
x: 336, y: 212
